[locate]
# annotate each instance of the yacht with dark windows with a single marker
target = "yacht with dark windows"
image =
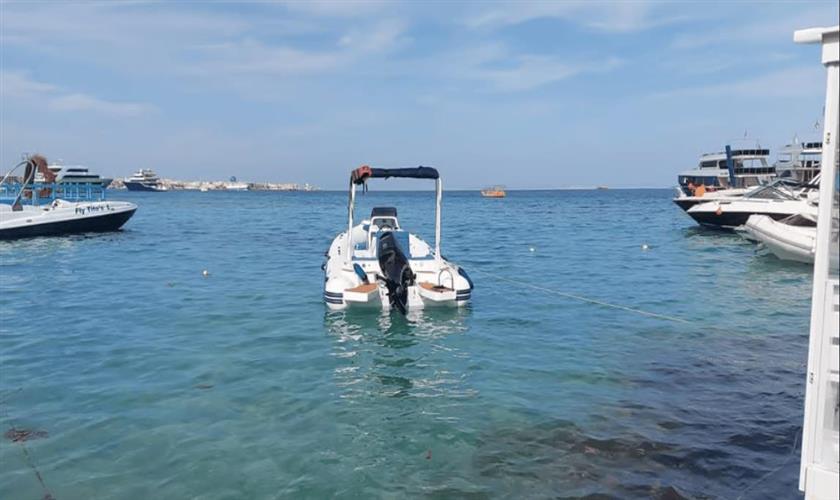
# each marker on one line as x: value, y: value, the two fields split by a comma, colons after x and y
x: 144, y: 180
x: 799, y: 160
x: 726, y: 174
x: 74, y: 174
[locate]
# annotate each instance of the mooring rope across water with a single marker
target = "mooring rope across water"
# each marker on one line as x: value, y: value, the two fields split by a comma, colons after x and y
x: 27, y: 457
x: 581, y: 298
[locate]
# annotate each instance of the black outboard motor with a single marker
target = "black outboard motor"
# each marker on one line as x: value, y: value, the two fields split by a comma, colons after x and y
x: 396, y: 272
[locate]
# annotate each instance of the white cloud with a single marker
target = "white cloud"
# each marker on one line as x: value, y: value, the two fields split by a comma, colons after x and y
x: 115, y: 23
x: 789, y: 82
x: 83, y: 102
x: 383, y: 36
x: 614, y: 17
x: 753, y: 30
x: 505, y: 71
x: 255, y: 58
x: 530, y: 72
x: 16, y: 85
x: 336, y: 8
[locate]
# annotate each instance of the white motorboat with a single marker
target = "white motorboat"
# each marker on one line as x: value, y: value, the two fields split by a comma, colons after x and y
x: 686, y: 201
x: 777, y: 200
x: 376, y: 263
x: 58, y: 216
x: 791, y: 238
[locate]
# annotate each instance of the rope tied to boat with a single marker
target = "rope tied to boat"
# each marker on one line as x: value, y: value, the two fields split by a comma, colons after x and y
x: 581, y: 298
x: 19, y: 436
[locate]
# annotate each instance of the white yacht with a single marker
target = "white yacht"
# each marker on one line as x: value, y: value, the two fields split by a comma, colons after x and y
x: 26, y: 216
x: 78, y: 174
x: 376, y: 263
x: 144, y: 180
x: 730, y: 173
x: 73, y: 174
x: 799, y: 160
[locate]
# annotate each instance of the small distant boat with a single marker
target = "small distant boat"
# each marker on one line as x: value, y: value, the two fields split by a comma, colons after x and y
x: 494, y: 192
x: 25, y: 217
x: 602, y: 188
x: 378, y: 264
x: 144, y: 180
x: 235, y: 185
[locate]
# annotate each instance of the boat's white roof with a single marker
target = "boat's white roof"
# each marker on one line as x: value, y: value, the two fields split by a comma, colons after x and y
x: 706, y: 172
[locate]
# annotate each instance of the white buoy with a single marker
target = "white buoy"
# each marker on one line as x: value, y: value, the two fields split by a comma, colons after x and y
x: 532, y: 249
x: 205, y: 273
x: 645, y: 246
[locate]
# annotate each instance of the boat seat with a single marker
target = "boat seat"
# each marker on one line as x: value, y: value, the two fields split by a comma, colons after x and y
x: 384, y: 217
x: 362, y: 251
x: 383, y: 212
x: 435, y: 288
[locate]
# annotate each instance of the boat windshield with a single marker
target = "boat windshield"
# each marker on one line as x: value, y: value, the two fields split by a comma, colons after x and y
x: 774, y: 191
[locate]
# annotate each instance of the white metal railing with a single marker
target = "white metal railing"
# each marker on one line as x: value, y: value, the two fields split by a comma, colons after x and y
x: 819, y: 477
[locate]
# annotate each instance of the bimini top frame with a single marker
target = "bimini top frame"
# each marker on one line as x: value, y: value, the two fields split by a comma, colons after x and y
x: 360, y: 176
x: 34, y: 163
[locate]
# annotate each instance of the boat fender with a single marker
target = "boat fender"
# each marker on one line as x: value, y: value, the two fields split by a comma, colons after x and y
x: 360, y: 273
x: 466, y: 277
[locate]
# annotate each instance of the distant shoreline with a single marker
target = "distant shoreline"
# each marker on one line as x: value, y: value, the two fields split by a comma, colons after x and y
x: 179, y: 185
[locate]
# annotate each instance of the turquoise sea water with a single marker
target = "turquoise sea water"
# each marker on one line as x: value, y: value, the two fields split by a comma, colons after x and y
x: 153, y: 381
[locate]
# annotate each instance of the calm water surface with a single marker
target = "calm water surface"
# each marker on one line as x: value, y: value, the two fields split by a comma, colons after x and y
x: 153, y: 381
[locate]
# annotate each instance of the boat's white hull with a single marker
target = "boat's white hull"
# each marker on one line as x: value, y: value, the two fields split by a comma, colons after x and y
x: 782, y: 240
x: 731, y: 213
x: 685, y: 202
x: 438, y: 282
x: 787, y: 242
x: 63, y: 217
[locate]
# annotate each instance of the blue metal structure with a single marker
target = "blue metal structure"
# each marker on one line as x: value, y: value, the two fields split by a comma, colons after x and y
x: 44, y: 193
x: 730, y: 165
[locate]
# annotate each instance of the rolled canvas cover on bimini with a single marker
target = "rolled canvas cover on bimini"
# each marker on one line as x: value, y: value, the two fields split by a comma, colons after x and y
x: 364, y: 173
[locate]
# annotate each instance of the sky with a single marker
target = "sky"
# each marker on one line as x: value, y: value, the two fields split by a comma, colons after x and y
x: 526, y: 94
